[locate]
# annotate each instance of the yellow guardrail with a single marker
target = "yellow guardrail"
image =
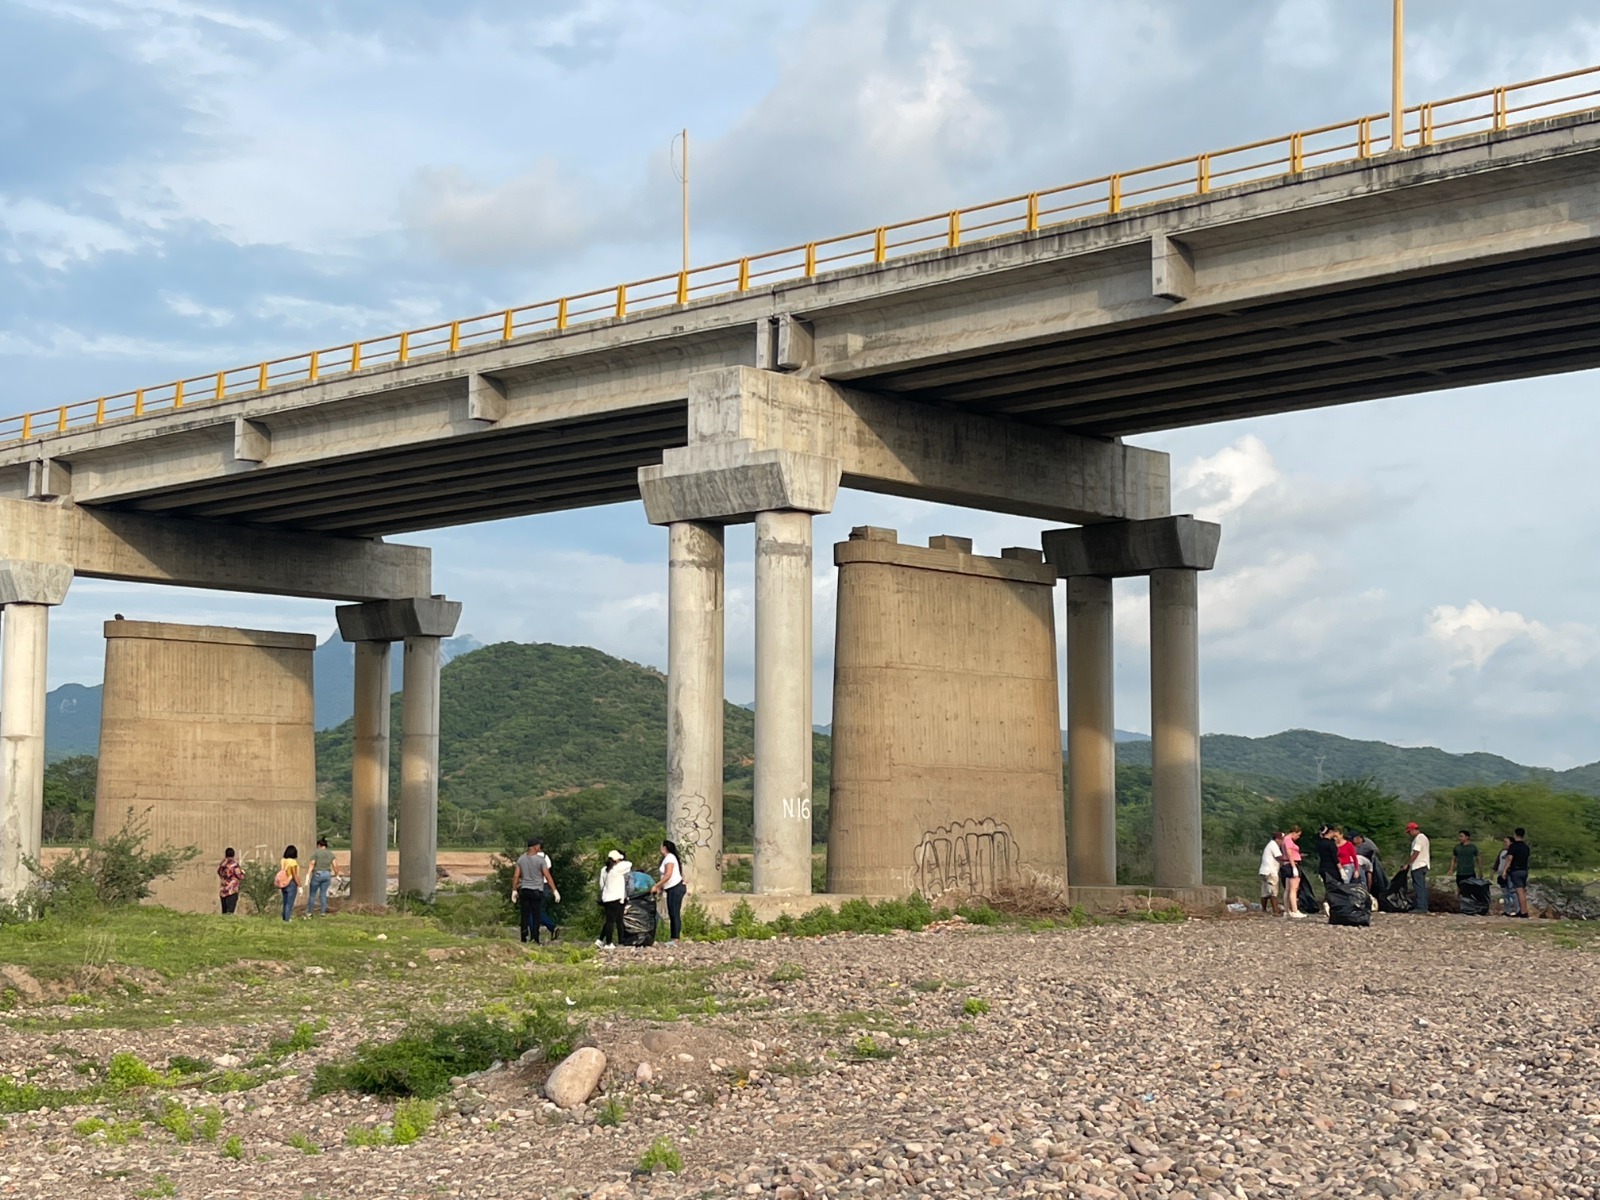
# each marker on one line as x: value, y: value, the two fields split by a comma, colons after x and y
x: 1428, y: 124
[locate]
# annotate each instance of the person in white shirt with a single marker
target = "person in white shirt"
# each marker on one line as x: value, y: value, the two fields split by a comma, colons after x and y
x: 1418, y: 865
x: 671, y: 885
x: 613, y: 891
x: 1271, y: 861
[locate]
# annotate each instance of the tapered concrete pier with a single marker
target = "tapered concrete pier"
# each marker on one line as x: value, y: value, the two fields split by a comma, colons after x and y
x: 1091, y: 734
x: 695, y: 574
x: 781, y: 863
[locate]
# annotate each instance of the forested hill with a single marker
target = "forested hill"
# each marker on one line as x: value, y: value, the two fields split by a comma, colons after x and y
x: 1292, y: 756
x: 557, y: 726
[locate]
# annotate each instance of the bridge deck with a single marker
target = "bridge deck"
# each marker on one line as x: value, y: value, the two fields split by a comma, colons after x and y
x: 1469, y: 262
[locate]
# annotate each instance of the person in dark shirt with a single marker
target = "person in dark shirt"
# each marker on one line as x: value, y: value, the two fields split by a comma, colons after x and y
x: 1466, y: 857
x: 1517, y: 874
x: 1327, y: 855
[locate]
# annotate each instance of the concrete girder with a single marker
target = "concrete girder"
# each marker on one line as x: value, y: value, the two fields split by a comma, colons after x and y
x: 115, y: 545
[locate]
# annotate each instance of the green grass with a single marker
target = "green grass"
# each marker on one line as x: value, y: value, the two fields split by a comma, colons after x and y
x: 412, y: 1119
x: 972, y: 1006
x: 868, y: 1047
x: 304, y: 1144
x: 176, y: 944
x: 233, y: 1148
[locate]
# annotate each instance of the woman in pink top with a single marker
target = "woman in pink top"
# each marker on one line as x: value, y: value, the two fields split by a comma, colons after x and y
x: 1291, y: 873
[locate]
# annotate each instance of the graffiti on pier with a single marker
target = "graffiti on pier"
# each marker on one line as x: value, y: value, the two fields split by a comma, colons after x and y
x: 967, y: 856
x: 693, y: 828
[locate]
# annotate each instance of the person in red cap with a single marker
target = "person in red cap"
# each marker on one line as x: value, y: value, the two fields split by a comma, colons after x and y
x: 1418, y: 865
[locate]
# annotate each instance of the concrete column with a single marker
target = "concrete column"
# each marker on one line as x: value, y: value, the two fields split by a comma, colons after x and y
x: 694, y: 699
x: 1175, y: 727
x: 23, y: 634
x: 369, y: 781
x: 1091, y: 735
x: 782, y: 858
x: 27, y: 592
x: 419, y: 766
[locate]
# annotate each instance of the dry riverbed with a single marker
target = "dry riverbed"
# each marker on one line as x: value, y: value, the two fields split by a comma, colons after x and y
x: 1427, y: 1056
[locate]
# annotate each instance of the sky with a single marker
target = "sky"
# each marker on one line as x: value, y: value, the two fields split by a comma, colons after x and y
x: 189, y: 184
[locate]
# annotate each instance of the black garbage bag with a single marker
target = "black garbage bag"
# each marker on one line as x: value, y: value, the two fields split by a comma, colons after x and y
x: 639, y: 919
x: 1349, y: 904
x: 1474, y: 897
x: 1397, y: 897
x: 1309, y: 902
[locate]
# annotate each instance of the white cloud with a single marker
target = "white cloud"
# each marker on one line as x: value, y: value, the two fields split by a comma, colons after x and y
x: 54, y: 237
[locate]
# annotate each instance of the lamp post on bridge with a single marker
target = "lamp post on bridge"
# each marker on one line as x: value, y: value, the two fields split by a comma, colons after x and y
x: 1397, y: 109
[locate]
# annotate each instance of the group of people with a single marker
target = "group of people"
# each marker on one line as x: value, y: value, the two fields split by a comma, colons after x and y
x: 1354, y: 858
x: 531, y: 883
x: 290, y: 878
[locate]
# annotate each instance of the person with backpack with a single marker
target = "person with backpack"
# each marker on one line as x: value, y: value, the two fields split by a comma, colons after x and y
x: 288, y: 879
x: 530, y: 879
x: 1517, y: 869
x: 1502, y: 865
x: 231, y: 874
x: 613, y: 893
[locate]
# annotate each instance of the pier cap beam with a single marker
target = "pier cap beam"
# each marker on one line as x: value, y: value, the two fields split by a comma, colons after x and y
x: 1118, y: 549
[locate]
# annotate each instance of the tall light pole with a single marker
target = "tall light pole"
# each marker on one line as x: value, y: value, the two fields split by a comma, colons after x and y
x: 1397, y: 110
x: 683, y: 178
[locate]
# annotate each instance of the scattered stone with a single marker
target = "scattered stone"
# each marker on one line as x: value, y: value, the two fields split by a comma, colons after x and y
x: 576, y: 1077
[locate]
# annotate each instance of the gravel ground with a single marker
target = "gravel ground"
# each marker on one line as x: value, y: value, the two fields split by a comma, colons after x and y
x: 1426, y: 1056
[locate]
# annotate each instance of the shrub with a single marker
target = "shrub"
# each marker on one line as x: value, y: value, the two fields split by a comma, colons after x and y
x: 102, y: 874
x: 128, y: 1071
x: 422, y: 1060
x: 233, y: 1148
x: 259, y: 887
x: 662, y: 1153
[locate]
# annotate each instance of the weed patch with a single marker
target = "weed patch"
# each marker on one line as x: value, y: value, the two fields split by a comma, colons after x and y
x: 611, y: 1112
x: 787, y: 973
x: 412, y: 1119
x: 661, y: 1155
x: 304, y: 1144
x: 421, y: 1061
x: 973, y: 1006
x: 233, y: 1148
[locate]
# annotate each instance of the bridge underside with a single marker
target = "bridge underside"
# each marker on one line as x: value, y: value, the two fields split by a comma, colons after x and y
x: 1425, y: 331
x: 477, y: 476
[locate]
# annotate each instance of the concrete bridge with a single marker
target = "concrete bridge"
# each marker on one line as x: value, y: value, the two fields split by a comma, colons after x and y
x: 993, y: 357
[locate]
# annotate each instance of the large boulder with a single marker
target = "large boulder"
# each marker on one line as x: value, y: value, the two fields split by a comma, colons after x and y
x: 576, y: 1077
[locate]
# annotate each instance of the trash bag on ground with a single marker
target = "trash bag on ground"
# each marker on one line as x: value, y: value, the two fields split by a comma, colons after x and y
x: 1474, y: 897
x: 639, y: 919
x: 1349, y: 904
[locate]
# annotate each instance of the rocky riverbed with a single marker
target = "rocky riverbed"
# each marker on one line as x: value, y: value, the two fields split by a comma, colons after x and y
x: 1426, y: 1056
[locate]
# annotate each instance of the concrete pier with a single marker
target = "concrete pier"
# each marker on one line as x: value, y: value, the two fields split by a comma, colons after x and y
x: 419, y: 766
x: 28, y: 590
x: 420, y: 623
x: 369, y: 778
x: 207, y: 736
x: 782, y: 852
x: 1170, y: 551
x: 1175, y: 727
x: 1091, y: 734
x: 946, y: 721
x: 695, y: 575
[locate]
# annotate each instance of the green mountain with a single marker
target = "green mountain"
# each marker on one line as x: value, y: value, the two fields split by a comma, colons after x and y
x: 531, y: 732
x: 1300, y: 758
